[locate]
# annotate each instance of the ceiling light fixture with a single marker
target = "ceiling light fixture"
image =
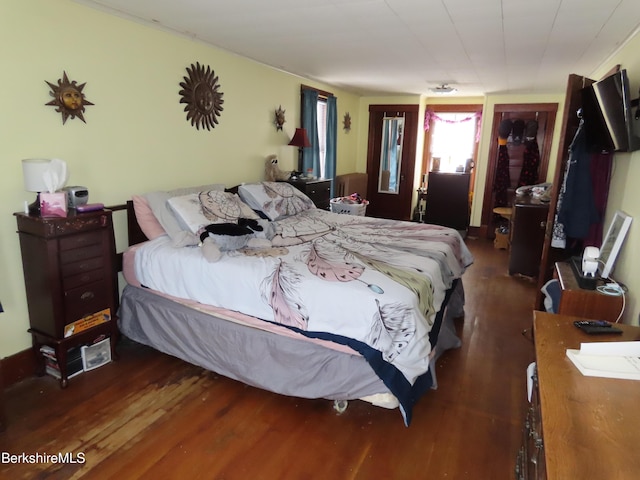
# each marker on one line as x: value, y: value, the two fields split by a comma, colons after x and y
x: 444, y: 89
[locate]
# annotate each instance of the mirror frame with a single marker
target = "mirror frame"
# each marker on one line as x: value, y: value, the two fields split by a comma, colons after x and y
x: 613, y: 241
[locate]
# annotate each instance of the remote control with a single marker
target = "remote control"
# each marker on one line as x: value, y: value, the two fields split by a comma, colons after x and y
x: 90, y: 207
x: 596, y: 327
x: 592, y: 323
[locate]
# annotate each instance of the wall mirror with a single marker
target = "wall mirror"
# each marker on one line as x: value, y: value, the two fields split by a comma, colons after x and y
x: 391, y: 155
x: 613, y: 241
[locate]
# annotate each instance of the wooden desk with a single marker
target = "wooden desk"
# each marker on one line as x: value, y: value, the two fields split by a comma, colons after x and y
x: 590, y: 425
x: 584, y: 303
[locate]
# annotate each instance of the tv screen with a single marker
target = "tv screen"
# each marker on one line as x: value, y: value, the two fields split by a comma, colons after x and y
x: 597, y: 134
x: 609, y: 116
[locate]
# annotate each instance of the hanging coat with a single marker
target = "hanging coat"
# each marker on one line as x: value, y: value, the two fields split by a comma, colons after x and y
x: 578, y: 210
x: 530, y: 163
x: 502, y: 180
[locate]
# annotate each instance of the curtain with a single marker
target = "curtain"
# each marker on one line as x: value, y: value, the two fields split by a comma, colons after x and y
x: 332, y: 133
x: 311, y: 155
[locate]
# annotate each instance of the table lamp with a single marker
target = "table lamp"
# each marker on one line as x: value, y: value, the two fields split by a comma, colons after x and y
x: 33, y: 174
x: 300, y: 140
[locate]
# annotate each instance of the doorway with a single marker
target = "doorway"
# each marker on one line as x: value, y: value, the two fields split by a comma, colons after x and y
x: 391, y: 160
x: 544, y: 114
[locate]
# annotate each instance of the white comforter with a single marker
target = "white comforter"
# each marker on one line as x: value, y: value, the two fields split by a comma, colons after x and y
x: 374, y: 280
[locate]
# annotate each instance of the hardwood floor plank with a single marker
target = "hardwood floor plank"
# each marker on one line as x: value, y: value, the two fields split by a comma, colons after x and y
x: 150, y: 415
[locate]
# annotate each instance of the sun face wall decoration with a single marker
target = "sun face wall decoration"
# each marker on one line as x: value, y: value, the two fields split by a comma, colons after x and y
x: 347, y: 122
x: 68, y: 98
x: 279, y: 120
x: 201, y: 94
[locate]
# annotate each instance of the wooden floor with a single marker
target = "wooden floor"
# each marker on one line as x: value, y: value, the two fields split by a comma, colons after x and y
x: 153, y: 416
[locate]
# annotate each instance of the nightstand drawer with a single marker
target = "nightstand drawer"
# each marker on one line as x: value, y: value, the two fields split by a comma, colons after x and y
x: 319, y: 191
x: 77, y: 241
x: 70, y: 256
x: 83, y: 266
x: 84, y: 278
x: 83, y: 301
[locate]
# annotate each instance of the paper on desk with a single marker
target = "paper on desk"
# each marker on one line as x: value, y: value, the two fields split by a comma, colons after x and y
x: 623, y: 349
x: 608, y: 359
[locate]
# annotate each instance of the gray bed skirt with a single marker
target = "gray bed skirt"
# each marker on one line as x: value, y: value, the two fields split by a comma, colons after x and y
x: 280, y: 364
x: 262, y: 359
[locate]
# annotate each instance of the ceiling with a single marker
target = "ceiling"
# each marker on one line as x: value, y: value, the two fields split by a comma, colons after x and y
x: 375, y: 47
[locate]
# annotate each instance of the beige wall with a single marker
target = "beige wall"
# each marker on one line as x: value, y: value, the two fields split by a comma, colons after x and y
x: 136, y: 137
x: 624, y: 193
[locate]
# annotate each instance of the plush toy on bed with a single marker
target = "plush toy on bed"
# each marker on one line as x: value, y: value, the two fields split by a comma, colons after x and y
x: 272, y: 172
x: 223, y: 237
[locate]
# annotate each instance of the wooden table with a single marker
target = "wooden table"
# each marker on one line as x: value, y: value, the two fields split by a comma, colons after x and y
x: 590, y: 425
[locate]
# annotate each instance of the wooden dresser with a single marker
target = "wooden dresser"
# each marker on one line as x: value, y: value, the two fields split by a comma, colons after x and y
x: 584, y: 303
x: 528, y: 224
x: 70, y: 276
x: 319, y: 191
x: 578, y: 427
x: 447, y: 200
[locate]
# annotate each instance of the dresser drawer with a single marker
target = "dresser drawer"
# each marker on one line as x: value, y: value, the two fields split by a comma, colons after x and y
x: 72, y: 242
x: 83, y: 266
x: 70, y: 256
x: 74, y: 281
x: 86, y: 300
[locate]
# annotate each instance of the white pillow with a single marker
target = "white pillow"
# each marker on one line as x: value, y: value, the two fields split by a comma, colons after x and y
x: 197, y: 210
x: 275, y: 199
x: 158, y: 203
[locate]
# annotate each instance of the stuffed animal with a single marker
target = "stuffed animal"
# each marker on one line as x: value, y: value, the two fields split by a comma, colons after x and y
x: 272, y: 172
x: 223, y: 237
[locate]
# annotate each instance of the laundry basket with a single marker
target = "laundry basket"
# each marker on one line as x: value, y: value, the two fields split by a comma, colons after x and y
x: 340, y: 205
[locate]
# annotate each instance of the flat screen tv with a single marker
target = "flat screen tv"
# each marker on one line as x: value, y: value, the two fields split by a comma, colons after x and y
x: 611, y: 118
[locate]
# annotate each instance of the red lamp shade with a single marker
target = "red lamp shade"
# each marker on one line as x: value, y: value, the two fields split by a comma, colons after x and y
x: 300, y: 138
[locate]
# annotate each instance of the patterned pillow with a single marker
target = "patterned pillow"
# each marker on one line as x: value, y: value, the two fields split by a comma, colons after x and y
x: 197, y: 210
x: 275, y: 199
x: 158, y: 203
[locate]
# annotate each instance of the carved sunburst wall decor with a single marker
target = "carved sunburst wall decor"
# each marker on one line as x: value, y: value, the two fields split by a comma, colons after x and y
x: 202, y: 96
x: 68, y: 98
x: 347, y: 122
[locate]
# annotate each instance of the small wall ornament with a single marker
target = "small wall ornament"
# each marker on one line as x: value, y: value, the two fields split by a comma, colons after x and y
x: 202, y: 96
x: 347, y: 122
x: 279, y: 121
x: 68, y: 98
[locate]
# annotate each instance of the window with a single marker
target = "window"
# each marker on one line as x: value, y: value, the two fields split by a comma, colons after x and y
x: 453, y: 140
x: 322, y: 135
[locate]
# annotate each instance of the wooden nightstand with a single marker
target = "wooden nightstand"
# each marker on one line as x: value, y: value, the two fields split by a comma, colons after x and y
x: 70, y: 276
x: 317, y: 190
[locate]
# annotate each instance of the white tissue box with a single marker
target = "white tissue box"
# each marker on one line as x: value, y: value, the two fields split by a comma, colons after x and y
x: 53, y: 204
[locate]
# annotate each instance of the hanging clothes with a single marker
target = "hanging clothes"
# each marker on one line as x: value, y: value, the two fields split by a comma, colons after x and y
x: 530, y: 156
x: 578, y: 211
x: 558, y: 236
x: 502, y: 180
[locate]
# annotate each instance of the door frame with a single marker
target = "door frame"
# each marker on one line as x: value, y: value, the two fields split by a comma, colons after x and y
x: 499, y: 109
x: 401, y: 207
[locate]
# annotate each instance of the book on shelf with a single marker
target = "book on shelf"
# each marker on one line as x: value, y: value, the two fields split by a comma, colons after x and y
x: 608, y: 359
x: 74, y: 361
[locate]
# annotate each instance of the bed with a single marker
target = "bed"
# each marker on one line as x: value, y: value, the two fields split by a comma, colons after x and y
x: 334, y: 306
